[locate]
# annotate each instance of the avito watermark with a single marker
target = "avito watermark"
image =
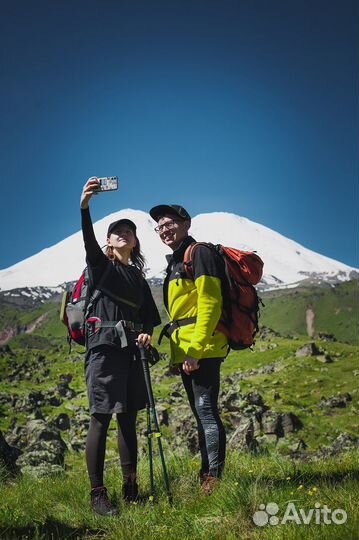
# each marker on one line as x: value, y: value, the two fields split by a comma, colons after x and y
x: 267, y: 515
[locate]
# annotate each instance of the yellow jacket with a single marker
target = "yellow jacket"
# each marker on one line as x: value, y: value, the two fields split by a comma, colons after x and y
x: 200, y: 298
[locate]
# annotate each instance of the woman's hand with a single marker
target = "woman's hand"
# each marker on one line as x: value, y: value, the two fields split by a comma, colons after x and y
x: 145, y: 340
x: 88, y: 190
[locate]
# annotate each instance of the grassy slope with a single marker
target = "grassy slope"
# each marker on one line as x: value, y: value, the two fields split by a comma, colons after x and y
x: 58, y: 506
x: 336, y: 310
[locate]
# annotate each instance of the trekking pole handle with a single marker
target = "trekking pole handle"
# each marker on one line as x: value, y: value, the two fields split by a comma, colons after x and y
x: 142, y: 350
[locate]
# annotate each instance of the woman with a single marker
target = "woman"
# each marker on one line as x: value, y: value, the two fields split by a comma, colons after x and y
x: 114, y: 378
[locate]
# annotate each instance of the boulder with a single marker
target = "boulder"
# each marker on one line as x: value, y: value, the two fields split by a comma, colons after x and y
x: 243, y: 437
x: 340, y: 401
x: 343, y: 443
x: 271, y: 423
x: 309, y: 349
x: 62, y: 421
x: 326, y: 337
x: 162, y: 415
x: 325, y: 359
x: 289, y: 423
x: 8, y: 455
x: 45, y: 449
x: 79, y: 428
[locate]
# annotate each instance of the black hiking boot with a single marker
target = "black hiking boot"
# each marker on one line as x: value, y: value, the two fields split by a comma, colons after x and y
x: 130, y: 490
x: 101, y: 504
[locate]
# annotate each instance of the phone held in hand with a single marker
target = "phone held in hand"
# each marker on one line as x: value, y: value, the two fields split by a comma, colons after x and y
x: 107, y: 183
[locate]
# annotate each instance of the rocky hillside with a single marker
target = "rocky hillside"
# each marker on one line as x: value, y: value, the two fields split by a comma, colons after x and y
x: 294, y: 397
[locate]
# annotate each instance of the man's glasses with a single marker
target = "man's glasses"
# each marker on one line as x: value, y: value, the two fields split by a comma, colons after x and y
x: 169, y: 226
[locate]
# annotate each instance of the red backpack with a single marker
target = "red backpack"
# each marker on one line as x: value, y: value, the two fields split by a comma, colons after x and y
x: 243, y: 270
x: 76, y: 306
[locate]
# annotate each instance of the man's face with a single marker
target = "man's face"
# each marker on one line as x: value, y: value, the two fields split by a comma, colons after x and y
x: 172, y: 230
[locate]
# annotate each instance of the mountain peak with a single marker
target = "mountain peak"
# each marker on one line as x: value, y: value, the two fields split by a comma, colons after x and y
x: 286, y: 263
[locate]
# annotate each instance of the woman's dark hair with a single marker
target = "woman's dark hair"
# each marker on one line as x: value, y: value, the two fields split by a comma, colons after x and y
x: 137, y: 259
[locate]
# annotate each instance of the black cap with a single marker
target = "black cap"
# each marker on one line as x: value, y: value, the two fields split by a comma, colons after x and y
x: 115, y: 224
x: 162, y: 209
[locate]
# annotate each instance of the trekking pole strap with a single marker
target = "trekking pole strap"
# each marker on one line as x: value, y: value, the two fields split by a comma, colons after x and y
x: 170, y: 327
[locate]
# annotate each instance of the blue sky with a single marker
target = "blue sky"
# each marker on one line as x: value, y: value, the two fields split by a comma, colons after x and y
x: 249, y: 107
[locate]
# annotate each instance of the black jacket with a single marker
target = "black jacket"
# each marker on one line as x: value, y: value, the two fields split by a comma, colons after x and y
x: 122, y: 281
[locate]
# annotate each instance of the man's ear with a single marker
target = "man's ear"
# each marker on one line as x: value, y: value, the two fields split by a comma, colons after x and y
x: 188, y: 224
x: 108, y: 241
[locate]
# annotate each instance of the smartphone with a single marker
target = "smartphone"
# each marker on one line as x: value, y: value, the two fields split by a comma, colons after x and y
x: 107, y: 183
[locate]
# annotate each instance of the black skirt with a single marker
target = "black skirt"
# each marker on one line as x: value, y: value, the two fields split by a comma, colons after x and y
x: 115, y: 381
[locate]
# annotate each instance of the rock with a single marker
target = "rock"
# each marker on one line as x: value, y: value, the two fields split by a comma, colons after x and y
x: 298, y: 446
x: 231, y: 401
x: 162, y: 414
x: 309, y: 349
x: 63, y: 388
x: 45, y: 449
x: 187, y: 433
x: 270, y: 423
x: 326, y: 337
x: 339, y: 401
x: 42, y: 470
x: 325, y: 359
x: 254, y: 398
x: 5, y: 398
x: 66, y: 378
x: 343, y: 443
x: 62, y: 422
x: 289, y: 423
x: 55, y: 401
x: 18, y: 437
x: 243, y: 437
x: 79, y: 428
x: 8, y: 455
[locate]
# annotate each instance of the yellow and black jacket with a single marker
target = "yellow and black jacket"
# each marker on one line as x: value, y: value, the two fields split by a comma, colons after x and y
x: 200, y: 298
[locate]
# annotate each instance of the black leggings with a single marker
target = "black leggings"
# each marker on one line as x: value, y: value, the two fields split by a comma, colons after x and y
x: 96, y: 445
x: 202, y: 387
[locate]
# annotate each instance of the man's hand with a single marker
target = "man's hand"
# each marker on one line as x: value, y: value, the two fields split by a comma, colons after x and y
x: 189, y: 365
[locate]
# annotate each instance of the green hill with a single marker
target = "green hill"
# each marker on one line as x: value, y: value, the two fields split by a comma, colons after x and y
x: 335, y: 309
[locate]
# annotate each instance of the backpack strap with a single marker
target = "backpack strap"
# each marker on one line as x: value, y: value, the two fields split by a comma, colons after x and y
x: 170, y: 327
x: 97, y: 293
x: 188, y: 257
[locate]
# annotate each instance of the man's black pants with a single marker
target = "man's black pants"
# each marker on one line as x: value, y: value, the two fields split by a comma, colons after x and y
x: 202, y: 387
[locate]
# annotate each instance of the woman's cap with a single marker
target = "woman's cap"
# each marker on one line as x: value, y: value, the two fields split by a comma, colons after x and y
x: 162, y: 209
x: 113, y: 226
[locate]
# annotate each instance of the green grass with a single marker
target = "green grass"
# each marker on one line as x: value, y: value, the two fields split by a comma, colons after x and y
x: 336, y: 310
x: 58, y: 507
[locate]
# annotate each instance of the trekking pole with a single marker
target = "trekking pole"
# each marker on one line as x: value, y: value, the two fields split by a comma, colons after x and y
x: 149, y: 441
x: 152, y: 410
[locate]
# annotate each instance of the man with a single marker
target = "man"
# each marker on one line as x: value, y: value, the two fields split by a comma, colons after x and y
x: 197, y: 348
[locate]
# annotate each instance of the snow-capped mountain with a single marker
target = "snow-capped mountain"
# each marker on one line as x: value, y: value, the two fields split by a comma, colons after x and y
x: 286, y: 263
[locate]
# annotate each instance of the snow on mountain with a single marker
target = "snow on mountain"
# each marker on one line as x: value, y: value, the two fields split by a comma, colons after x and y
x: 285, y: 262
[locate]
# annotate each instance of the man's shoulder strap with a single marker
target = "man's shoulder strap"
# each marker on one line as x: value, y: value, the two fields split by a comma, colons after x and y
x: 188, y: 256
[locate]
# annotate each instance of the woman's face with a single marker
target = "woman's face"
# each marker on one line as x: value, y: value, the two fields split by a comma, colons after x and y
x: 122, y: 238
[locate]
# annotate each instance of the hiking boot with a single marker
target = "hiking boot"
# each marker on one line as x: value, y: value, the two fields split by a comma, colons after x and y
x: 130, y: 490
x: 101, y: 504
x: 208, y: 483
x: 202, y: 476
